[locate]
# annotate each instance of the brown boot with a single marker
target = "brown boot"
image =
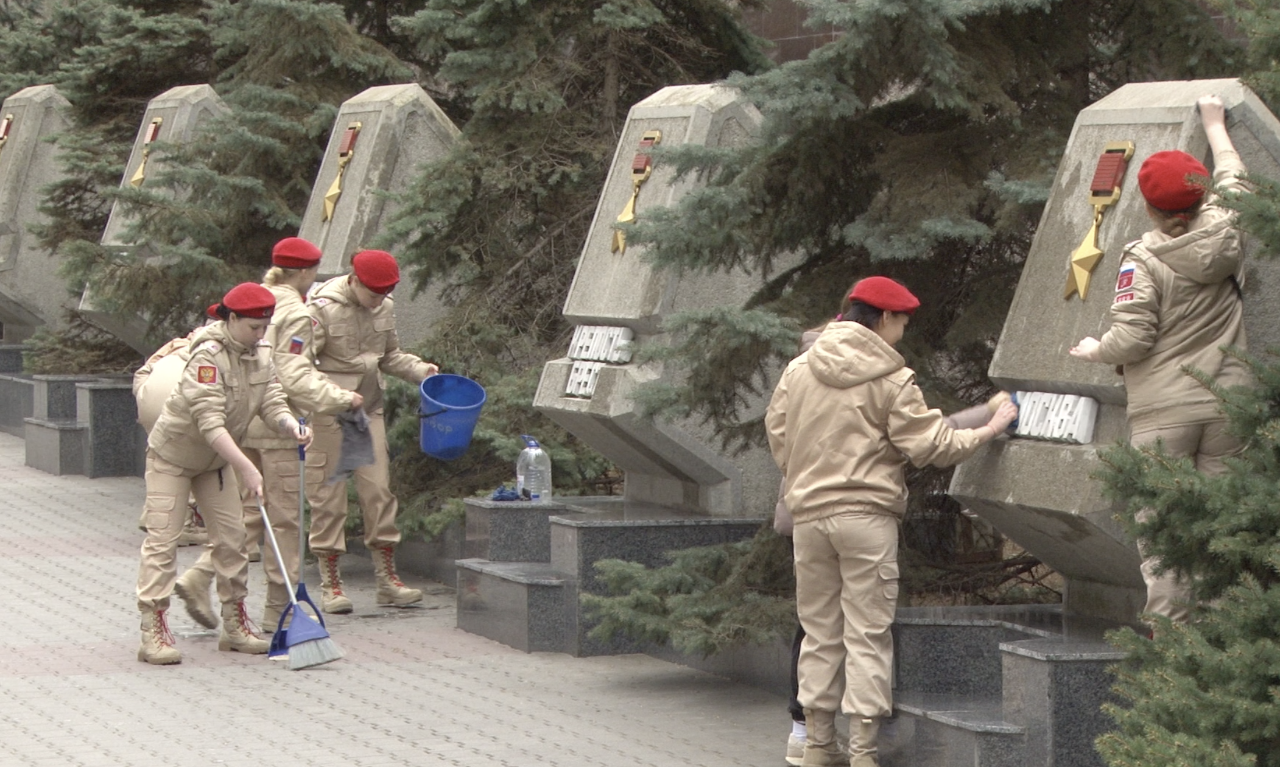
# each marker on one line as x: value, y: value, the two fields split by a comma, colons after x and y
x: 238, y: 632
x: 391, y: 591
x: 820, y: 747
x: 157, y: 643
x: 863, y: 734
x: 332, y: 600
x: 193, y: 589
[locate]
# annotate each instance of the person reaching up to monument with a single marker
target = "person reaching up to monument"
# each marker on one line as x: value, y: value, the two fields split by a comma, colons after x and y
x: 355, y: 345
x: 1177, y: 303
x: 228, y: 379
x: 294, y: 263
x: 843, y: 422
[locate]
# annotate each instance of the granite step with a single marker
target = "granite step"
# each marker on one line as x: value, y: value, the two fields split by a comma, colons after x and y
x: 520, y: 604
x: 935, y: 730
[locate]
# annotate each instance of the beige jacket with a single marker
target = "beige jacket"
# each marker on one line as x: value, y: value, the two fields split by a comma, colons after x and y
x: 844, y: 420
x: 1175, y: 306
x: 355, y: 346
x: 223, y: 386
x: 307, y: 390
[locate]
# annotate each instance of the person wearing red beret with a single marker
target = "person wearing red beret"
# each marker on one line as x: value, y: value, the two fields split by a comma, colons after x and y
x: 355, y: 346
x: 294, y: 264
x: 228, y: 379
x: 844, y: 420
x: 1177, y: 304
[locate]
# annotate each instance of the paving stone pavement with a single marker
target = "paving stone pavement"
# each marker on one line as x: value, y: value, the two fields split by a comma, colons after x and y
x: 413, y: 689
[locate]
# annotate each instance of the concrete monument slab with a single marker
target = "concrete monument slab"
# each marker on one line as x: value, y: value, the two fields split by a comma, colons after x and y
x: 591, y: 391
x: 1040, y: 494
x: 381, y: 139
x: 32, y: 293
x: 175, y: 117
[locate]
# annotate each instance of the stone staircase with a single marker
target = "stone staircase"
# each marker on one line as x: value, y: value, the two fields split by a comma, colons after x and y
x: 1010, y: 686
x: 998, y: 687
x: 528, y: 563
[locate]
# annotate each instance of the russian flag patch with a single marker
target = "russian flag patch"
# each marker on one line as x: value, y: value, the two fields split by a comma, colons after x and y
x: 295, y: 345
x: 1125, y: 280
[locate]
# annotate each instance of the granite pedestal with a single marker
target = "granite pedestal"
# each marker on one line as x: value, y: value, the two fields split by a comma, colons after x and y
x: 56, y: 440
x: 17, y: 402
x: 115, y: 442
x: 534, y: 603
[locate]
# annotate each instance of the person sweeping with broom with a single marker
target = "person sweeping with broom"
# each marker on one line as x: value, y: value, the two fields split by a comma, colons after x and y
x: 294, y: 264
x: 228, y: 379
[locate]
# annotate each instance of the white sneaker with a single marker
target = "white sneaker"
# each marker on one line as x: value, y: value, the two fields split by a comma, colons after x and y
x: 795, y: 750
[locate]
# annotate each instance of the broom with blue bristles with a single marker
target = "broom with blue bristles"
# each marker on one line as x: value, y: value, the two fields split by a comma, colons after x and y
x: 305, y: 642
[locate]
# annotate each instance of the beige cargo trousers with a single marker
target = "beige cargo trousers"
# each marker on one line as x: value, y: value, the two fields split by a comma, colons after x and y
x: 846, y: 595
x: 1208, y: 444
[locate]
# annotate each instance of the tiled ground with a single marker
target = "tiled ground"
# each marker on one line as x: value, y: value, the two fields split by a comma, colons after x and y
x: 413, y: 690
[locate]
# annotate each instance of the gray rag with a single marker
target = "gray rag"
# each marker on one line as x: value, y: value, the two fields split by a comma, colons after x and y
x: 357, y: 445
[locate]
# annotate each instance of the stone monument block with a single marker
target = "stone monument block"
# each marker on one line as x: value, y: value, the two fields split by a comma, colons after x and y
x: 175, y: 117
x: 381, y: 139
x: 616, y: 295
x: 1038, y: 493
x: 32, y: 293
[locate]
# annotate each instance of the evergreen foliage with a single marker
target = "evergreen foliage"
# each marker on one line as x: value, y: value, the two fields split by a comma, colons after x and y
x: 1203, y: 693
x: 708, y: 599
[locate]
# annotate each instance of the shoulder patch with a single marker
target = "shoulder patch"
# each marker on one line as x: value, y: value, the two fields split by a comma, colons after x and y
x: 1125, y: 278
x: 295, y: 345
x: 207, y: 374
x: 320, y: 301
x: 211, y: 346
x: 1122, y: 297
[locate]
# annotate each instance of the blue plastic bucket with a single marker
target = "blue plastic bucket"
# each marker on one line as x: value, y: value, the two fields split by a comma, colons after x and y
x: 449, y: 411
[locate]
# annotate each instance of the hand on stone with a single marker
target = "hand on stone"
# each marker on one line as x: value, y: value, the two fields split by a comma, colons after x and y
x: 997, y: 400
x: 1003, y: 417
x: 1087, y: 350
x: 1212, y: 110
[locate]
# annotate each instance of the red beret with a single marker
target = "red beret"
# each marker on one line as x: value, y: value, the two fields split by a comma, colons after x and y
x: 295, y: 253
x: 884, y: 294
x: 248, y: 299
x: 1163, y: 180
x: 376, y: 270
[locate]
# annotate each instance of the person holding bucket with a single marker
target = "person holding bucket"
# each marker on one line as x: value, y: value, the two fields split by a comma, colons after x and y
x: 354, y: 331
x: 294, y: 263
x: 227, y: 380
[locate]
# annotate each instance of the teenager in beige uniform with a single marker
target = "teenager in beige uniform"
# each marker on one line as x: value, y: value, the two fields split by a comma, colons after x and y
x: 294, y: 263
x: 227, y: 380
x: 356, y: 345
x: 844, y: 420
x: 1177, y: 303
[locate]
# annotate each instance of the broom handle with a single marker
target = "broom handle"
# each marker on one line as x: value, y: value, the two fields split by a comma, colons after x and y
x: 302, y: 501
x: 275, y: 547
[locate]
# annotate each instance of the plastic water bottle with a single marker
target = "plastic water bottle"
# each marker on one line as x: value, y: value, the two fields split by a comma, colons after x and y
x: 533, y: 472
